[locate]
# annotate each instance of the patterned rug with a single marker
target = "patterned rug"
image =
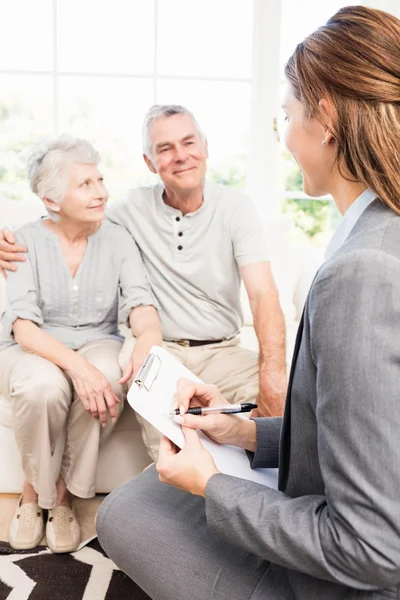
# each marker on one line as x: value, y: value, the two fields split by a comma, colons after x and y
x: 87, y: 574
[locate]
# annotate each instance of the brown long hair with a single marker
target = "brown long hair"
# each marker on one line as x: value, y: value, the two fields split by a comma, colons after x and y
x: 354, y: 61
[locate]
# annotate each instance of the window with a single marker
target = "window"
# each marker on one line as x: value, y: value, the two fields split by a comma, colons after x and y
x: 93, y: 69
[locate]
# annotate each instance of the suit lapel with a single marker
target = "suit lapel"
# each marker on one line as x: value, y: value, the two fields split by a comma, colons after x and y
x: 284, y: 449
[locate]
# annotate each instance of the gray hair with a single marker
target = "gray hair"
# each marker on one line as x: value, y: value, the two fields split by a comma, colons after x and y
x: 158, y: 111
x: 48, y: 161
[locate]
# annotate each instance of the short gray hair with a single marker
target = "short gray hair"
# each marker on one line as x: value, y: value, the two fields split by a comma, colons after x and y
x: 157, y: 111
x: 48, y: 161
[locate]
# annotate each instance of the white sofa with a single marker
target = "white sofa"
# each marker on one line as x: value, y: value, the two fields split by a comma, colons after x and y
x: 124, y: 455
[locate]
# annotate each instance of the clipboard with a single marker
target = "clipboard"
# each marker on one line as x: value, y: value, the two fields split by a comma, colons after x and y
x: 152, y: 396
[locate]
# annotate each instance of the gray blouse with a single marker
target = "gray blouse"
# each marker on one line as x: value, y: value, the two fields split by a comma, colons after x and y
x: 75, y: 310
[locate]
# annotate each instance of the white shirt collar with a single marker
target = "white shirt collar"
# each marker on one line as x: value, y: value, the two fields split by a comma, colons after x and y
x: 350, y: 218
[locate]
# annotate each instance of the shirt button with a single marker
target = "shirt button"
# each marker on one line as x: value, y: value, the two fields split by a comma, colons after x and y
x: 75, y: 287
x: 180, y: 247
x: 180, y: 234
x: 177, y: 219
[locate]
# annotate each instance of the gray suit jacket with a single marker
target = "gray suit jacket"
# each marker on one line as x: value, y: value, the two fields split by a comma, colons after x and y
x: 332, y: 531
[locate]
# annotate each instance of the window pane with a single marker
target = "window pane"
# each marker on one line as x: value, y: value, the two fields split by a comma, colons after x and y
x: 109, y: 113
x: 25, y: 116
x: 110, y: 36
x: 223, y: 112
x: 314, y: 220
x: 26, y: 40
x: 206, y: 38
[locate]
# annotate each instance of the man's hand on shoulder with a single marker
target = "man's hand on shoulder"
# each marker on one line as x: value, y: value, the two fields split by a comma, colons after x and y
x: 10, y: 252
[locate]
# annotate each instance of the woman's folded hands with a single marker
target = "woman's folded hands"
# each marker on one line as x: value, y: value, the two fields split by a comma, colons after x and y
x: 94, y: 390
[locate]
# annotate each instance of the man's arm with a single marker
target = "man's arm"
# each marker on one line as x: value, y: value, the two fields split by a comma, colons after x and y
x: 10, y: 252
x: 137, y: 306
x: 146, y: 328
x: 269, y: 325
x: 350, y: 534
x: 144, y: 321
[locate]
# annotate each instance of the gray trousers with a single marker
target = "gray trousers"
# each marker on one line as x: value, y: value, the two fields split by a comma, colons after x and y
x: 159, y: 536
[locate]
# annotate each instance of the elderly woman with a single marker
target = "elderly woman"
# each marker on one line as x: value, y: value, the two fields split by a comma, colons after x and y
x: 59, y: 343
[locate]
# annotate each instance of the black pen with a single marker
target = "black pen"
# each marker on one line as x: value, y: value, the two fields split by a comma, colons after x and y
x: 223, y: 410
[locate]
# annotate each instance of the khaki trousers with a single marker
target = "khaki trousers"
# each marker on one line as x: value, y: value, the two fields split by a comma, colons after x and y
x: 44, y: 405
x: 226, y: 364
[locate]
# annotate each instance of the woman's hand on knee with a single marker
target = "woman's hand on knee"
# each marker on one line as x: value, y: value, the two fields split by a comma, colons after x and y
x: 93, y: 390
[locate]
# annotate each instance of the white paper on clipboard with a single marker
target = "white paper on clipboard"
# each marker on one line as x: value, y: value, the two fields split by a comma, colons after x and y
x: 152, y: 395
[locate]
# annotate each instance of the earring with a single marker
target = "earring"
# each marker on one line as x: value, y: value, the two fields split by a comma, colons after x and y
x: 324, y: 142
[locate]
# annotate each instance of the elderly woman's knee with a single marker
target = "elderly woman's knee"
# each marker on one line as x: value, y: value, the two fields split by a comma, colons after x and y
x: 43, y: 389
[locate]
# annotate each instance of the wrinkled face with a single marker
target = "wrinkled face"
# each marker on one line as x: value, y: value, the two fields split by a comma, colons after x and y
x: 86, y: 197
x: 303, y: 138
x: 178, y: 153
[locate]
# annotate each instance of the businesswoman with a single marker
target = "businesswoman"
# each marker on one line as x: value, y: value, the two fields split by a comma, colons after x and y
x: 59, y: 342
x: 332, y: 529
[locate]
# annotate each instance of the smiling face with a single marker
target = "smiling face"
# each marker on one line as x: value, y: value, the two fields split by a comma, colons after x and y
x: 178, y: 152
x: 304, y: 139
x: 85, y: 196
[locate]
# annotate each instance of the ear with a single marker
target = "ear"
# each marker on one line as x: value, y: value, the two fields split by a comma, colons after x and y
x: 328, y: 111
x: 149, y: 164
x: 51, y: 205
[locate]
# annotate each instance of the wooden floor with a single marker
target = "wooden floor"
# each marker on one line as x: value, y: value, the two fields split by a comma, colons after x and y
x: 85, y: 512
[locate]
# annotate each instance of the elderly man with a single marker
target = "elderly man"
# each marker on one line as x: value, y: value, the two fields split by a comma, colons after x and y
x: 198, y: 240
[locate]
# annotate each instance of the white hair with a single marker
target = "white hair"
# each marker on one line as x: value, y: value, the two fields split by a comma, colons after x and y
x: 157, y: 111
x: 47, y: 165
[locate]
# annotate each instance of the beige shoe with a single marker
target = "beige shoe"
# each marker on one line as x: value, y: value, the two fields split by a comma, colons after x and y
x: 27, y: 526
x: 62, y: 530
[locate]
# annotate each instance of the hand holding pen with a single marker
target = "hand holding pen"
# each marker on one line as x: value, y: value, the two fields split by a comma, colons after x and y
x: 225, y: 409
x: 221, y: 424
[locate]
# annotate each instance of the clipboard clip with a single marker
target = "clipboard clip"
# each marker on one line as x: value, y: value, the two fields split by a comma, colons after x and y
x: 148, y: 372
